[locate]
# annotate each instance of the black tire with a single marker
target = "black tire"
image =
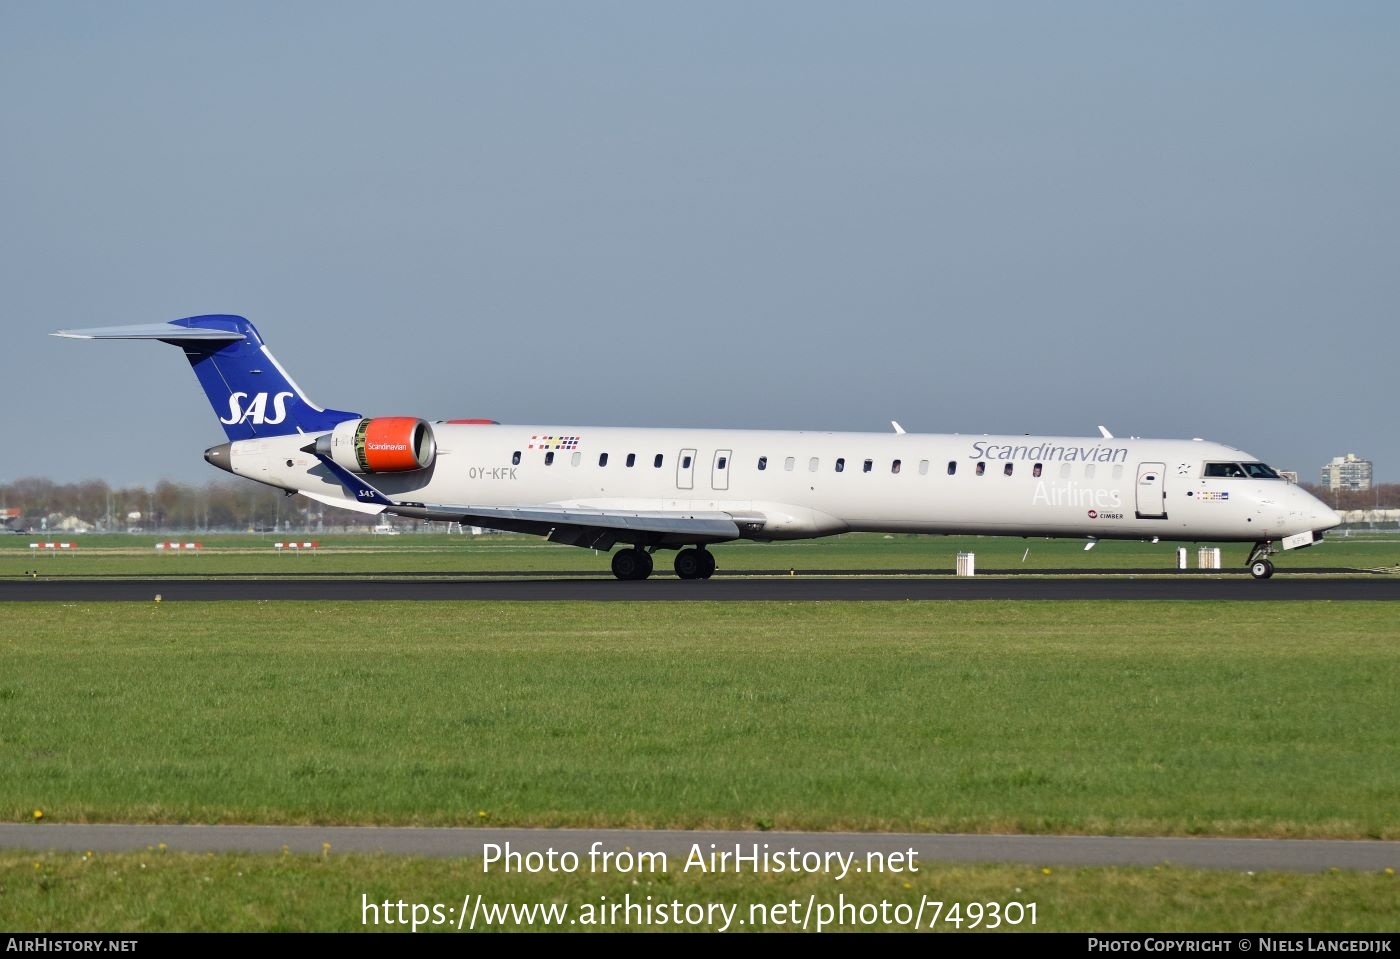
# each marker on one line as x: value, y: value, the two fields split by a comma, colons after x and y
x: 690, y: 564
x: 1261, y: 569
x: 709, y: 561
x: 630, y: 564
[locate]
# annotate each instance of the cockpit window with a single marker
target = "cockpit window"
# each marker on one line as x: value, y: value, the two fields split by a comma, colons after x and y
x: 1240, y: 471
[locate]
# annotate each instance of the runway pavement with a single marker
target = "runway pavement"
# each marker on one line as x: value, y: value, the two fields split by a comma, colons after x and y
x: 770, y: 589
x: 1286, y: 855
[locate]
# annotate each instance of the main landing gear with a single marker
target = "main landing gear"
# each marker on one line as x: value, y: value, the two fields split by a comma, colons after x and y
x: 635, y: 563
x: 695, y: 563
x: 1259, y: 565
x: 631, y: 563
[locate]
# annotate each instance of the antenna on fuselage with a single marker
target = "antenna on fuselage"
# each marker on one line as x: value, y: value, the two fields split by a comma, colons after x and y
x: 897, y: 428
x: 1104, y: 431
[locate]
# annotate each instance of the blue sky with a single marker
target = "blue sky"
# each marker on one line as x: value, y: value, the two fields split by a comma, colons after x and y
x: 1174, y: 219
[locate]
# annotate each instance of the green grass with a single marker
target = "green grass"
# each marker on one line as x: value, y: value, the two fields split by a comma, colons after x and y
x: 447, y: 555
x: 155, y: 891
x: 1132, y: 718
x: 1177, y: 718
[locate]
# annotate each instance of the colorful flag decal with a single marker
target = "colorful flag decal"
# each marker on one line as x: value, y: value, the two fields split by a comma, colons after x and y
x: 554, y: 442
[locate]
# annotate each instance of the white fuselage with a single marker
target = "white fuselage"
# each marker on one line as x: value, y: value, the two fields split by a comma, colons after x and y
x: 805, y: 484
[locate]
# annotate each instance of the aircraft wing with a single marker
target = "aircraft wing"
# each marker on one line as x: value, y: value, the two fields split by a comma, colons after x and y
x: 598, y: 529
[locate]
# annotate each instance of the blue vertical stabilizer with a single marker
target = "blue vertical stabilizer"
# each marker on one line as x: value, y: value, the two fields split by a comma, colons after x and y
x: 251, y: 394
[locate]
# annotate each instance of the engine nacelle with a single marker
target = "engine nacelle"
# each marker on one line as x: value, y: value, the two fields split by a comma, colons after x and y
x: 384, y: 444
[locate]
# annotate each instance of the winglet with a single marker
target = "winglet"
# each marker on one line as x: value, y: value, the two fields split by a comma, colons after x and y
x: 357, y: 487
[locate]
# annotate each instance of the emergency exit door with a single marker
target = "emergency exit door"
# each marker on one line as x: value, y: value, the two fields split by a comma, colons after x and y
x: 719, y: 472
x: 685, y: 470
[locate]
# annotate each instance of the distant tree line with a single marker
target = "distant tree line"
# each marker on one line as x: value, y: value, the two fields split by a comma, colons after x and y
x: 34, y: 504
x: 38, y: 504
x: 1381, y: 496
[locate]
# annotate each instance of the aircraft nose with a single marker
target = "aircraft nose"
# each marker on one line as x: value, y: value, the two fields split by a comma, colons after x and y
x: 1320, y: 516
x: 1327, y: 518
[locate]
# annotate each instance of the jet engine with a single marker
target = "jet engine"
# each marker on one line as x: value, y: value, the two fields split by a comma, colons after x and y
x: 384, y: 444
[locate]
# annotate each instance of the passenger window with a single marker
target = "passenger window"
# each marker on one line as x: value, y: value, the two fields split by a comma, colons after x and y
x: 1064, y: 470
x: 723, y: 462
x: 1035, y: 470
x: 812, y: 465
x: 981, y: 468
x: 894, y: 467
x: 515, y: 458
x: 789, y: 463
x: 923, y: 467
x: 840, y: 464
x: 576, y: 458
x: 1006, y: 470
x: 763, y: 463
x: 1118, y: 471
x: 657, y: 462
x: 952, y: 467
x: 549, y: 458
x: 602, y: 459
x: 631, y: 460
x: 869, y: 465
x: 1089, y: 471
x: 685, y: 463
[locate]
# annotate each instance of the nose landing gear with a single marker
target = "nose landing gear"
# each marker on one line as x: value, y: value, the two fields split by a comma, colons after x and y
x: 1259, y: 565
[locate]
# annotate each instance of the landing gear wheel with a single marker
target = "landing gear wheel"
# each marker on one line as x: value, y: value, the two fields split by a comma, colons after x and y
x: 695, y: 563
x: 1261, y: 569
x: 631, y: 563
x: 690, y: 564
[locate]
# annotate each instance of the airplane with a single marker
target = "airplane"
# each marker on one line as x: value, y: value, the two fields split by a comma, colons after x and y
x: 689, y: 489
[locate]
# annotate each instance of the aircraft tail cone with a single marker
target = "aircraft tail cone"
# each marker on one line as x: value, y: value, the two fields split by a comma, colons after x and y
x: 219, y: 456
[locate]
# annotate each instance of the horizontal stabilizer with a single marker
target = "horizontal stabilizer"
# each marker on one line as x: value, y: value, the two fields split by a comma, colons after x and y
x: 168, y: 332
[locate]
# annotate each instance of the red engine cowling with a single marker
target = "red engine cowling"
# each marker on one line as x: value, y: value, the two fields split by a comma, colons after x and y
x: 384, y: 444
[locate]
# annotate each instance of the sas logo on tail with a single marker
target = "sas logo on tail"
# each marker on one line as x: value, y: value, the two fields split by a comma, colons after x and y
x: 256, y: 411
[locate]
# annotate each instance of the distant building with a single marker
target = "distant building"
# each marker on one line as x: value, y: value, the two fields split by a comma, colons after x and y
x: 1347, y: 473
